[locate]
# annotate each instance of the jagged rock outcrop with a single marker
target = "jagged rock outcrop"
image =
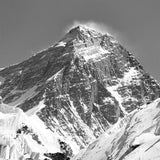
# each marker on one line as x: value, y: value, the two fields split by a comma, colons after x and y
x: 80, y: 86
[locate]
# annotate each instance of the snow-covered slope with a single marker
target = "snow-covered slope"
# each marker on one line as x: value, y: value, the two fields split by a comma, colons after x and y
x: 135, y: 137
x: 24, y: 136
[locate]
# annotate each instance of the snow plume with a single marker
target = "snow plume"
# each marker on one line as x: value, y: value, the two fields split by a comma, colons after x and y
x: 104, y: 29
x: 98, y: 26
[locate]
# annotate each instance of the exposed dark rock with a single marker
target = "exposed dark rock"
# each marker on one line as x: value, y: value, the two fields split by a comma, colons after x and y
x: 56, y: 156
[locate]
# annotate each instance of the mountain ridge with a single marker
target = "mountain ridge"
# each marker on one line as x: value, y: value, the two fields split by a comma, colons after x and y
x: 80, y: 86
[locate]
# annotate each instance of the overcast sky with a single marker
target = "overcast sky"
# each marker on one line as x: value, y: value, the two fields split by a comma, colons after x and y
x: 27, y: 26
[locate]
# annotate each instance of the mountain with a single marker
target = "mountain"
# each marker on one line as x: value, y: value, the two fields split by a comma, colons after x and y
x: 135, y: 137
x: 79, y: 87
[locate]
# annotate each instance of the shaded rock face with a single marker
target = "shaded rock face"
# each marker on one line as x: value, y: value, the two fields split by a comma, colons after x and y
x: 87, y: 81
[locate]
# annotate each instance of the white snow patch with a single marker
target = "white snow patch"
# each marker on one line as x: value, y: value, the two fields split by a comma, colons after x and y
x: 8, y: 109
x: 113, y: 91
x: 55, y: 75
x: 144, y: 138
x: 61, y: 44
x: 108, y: 99
x: 20, y: 72
x: 130, y: 75
x: 92, y: 52
x: 2, y: 68
x: 2, y: 80
x: 48, y: 138
x: 35, y: 109
x: 11, y: 120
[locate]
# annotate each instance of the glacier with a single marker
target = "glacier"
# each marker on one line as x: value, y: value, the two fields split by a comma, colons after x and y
x: 135, y: 137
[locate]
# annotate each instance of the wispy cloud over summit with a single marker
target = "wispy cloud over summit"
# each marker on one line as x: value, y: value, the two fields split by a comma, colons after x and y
x: 98, y: 26
x: 104, y: 29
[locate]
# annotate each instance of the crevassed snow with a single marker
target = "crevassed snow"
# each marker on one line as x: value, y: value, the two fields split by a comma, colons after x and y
x: 138, y: 128
x: 149, y: 150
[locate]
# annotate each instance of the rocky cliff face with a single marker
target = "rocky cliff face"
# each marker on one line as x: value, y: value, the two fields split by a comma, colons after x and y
x: 80, y: 86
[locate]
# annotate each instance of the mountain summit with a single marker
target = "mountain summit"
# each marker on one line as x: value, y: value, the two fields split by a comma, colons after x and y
x: 80, y: 86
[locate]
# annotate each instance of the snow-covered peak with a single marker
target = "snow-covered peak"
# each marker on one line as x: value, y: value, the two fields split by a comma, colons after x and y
x: 85, y: 30
x: 81, y: 33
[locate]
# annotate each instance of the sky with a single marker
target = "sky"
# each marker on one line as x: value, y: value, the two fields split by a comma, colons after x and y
x: 28, y: 26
